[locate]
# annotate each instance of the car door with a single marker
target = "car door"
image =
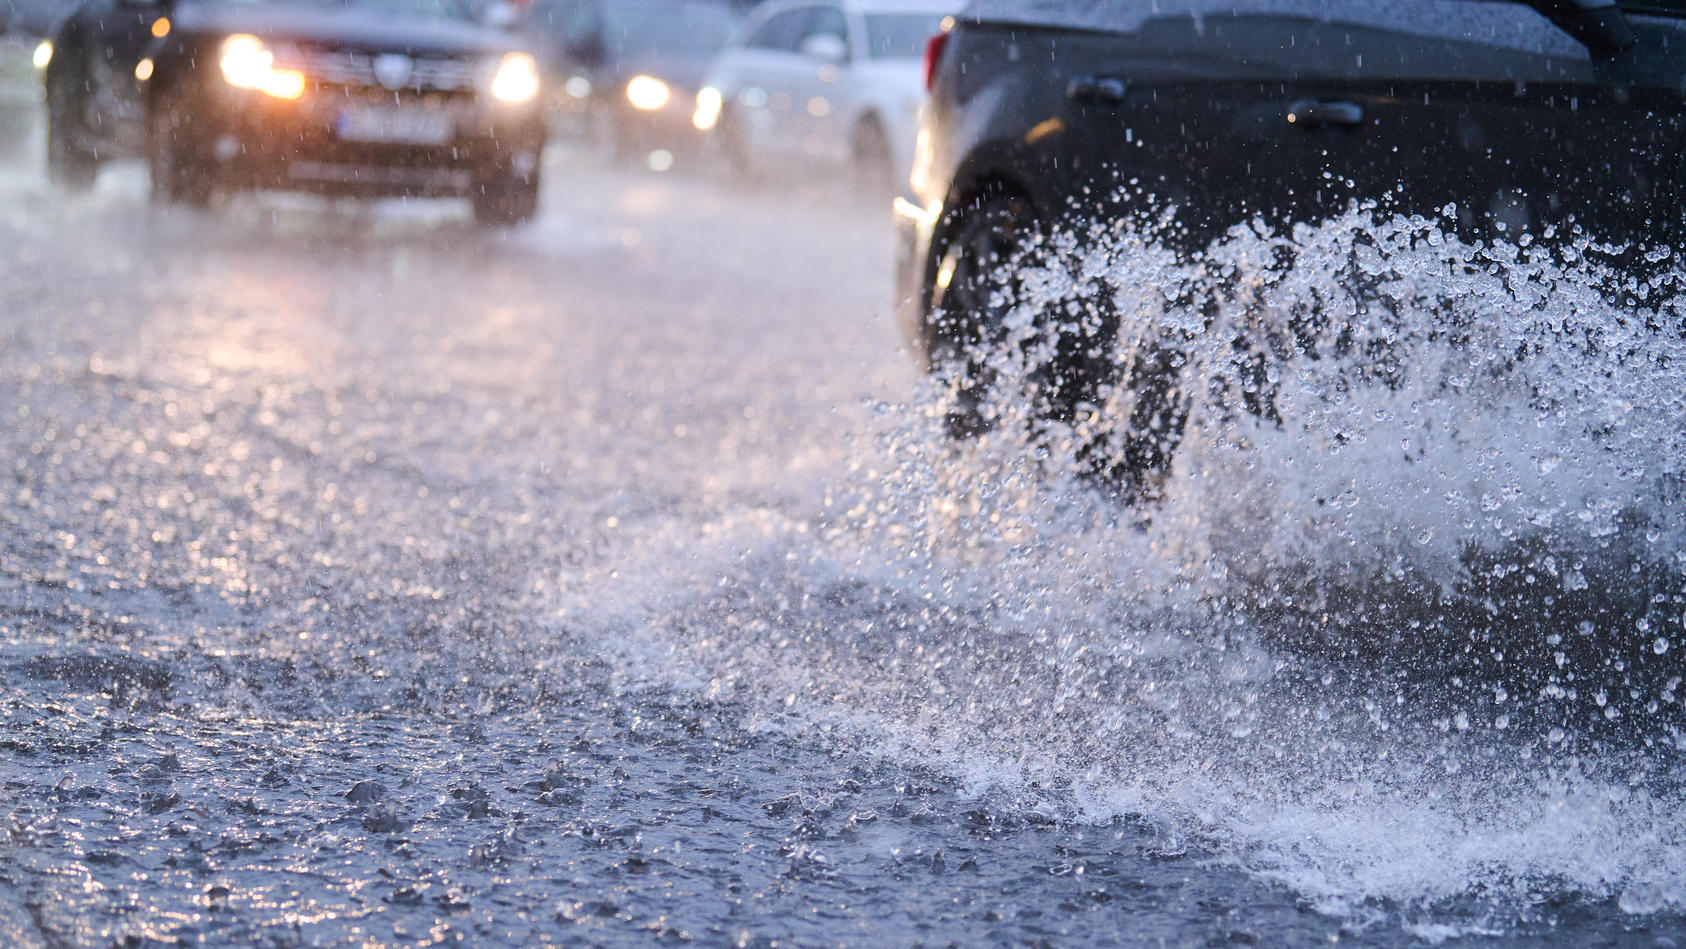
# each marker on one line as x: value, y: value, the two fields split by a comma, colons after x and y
x: 1239, y: 110
x: 768, y: 69
x: 816, y: 105
x: 1172, y: 117
x: 1486, y: 113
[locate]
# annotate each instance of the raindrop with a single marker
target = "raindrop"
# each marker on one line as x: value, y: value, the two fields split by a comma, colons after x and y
x: 1660, y: 646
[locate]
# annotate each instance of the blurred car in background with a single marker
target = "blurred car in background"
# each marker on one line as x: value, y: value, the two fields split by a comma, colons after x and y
x: 344, y: 97
x: 834, y: 85
x: 1503, y: 118
x: 625, y: 72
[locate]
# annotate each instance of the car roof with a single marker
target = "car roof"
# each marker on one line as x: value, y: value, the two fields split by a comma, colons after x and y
x: 901, y: 6
x: 1510, y: 25
x: 865, y: 6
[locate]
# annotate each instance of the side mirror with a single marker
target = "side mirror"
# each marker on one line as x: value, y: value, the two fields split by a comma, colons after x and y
x: 825, y: 47
x: 501, y: 14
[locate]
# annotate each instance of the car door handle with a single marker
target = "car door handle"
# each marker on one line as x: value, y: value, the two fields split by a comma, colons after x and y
x: 1315, y: 113
x: 1096, y: 89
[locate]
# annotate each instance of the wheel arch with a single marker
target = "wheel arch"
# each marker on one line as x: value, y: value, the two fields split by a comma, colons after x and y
x: 966, y: 191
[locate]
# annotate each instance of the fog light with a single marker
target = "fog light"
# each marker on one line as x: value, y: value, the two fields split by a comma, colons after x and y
x: 709, y: 104
x: 43, y: 54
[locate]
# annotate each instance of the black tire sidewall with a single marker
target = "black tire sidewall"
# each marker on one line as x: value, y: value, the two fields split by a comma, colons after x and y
x: 177, y: 175
x: 69, y: 164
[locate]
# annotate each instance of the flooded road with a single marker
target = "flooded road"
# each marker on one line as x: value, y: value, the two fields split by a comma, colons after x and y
x: 367, y: 578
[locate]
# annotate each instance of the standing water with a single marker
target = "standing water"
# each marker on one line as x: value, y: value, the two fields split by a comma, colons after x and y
x: 367, y: 580
x: 1408, y: 636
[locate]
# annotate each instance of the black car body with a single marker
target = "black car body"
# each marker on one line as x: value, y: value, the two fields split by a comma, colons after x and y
x: 355, y: 97
x: 626, y: 72
x: 1515, y: 117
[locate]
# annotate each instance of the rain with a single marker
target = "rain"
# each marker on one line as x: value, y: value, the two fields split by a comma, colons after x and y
x: 404, y: 570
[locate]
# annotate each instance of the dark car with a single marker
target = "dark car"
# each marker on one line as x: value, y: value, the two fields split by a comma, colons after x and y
x: 345, y: 97
x: 1503, y: 120
x: 626, y: 72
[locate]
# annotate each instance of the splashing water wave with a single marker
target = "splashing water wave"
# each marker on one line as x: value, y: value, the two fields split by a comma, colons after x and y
x: 1404, y: 625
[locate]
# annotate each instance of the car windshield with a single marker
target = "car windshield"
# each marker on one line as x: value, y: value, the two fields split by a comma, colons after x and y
x: 898, y: 35
x: 665, y: 28
x: 422, y: 9
x: 1656, y: 6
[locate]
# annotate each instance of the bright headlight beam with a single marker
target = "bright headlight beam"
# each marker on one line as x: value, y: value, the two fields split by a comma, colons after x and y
x: 647, y: 93
x: 43, y: 54
x: 248, y: 64
x: 517, y: 78
x: 245, y: 61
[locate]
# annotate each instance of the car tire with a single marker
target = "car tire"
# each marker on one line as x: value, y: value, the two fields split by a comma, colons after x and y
x: 177, y: 175
x: 70, y: 165
x: 731, y: 152
x: 506, y: 202
x: 873, y: 166
x: 983, y: 243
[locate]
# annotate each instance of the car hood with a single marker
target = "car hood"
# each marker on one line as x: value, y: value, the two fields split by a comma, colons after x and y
x: 678, y: 71
x: 345, y: 27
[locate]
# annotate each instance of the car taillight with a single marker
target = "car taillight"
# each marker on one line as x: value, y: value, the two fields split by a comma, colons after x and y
x: 933, y: 55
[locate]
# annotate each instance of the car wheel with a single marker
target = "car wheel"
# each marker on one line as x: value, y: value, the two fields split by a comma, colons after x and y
x: 988, y: 242
x: 70, y: 165
x: 507, y: 201
x: 177, y: 175
x: 874, y: 169
x: 731, y: 151
x: 971, y: 300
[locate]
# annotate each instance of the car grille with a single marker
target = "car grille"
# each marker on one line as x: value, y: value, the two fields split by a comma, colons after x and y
x: 356, y: 68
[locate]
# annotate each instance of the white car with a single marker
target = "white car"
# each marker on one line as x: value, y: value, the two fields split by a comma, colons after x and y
x: 838, y: 84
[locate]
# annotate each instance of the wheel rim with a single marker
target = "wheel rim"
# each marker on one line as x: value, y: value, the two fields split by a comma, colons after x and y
x: 981, y: 284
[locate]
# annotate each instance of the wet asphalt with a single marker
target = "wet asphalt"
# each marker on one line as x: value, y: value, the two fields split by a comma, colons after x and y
x: 339, y: 553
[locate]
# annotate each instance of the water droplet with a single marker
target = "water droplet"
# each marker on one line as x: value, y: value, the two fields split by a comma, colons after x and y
x: 1660, y: 646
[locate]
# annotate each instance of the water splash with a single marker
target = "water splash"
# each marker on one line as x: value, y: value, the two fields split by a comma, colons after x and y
x: 1396, y: 627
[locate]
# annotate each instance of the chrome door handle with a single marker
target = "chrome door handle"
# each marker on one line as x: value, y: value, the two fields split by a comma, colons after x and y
x: 1315, y: 113
x: 1096, y: 89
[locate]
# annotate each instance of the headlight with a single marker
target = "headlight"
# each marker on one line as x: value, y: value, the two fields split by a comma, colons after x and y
x: 248, y: 64
x: 517, y: 78
x: 708, y: 108
x: 647, y: 93
x: 43, y: 54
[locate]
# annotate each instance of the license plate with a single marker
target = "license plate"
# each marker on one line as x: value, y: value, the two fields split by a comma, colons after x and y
x: 396, y: 126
